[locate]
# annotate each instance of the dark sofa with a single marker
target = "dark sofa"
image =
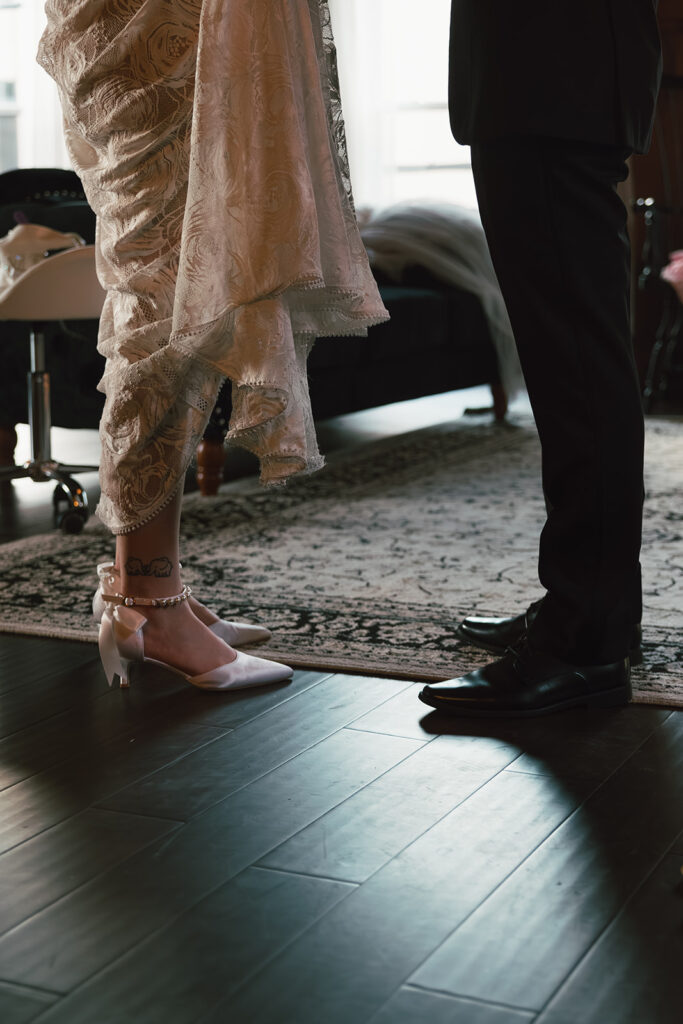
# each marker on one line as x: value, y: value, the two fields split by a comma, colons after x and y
x: 437, y: 340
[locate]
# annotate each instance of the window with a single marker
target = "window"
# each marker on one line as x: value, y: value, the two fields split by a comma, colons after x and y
x: 393, y: 66
x: 8, y: 86
x: 30, y: 115
x: 8, y: 141
x: 393, y: 62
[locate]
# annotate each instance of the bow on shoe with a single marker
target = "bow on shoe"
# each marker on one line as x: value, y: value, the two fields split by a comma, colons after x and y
x: 120, y: 639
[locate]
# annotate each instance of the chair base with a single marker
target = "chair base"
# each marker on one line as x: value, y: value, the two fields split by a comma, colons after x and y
x: 68, y: 492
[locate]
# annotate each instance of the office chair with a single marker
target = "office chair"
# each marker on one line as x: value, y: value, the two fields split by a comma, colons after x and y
x: 61, y: 287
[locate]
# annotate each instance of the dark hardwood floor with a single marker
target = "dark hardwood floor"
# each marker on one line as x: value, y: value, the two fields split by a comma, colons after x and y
x: 326, y: 852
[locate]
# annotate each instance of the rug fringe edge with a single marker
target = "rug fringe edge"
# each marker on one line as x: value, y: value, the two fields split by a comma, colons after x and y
x: 320, y: 664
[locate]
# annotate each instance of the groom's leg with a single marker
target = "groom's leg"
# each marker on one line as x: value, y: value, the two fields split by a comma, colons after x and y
x: 557, y: 233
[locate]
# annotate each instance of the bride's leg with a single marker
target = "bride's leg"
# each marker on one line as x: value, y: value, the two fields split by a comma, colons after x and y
x: 148, y: 560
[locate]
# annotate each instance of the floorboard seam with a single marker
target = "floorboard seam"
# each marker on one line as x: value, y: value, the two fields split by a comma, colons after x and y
x: 73, y: 760
x: 433, y: 825
x: 257, y: 778
x: 43, y: 677
x: 382, y: 703
x: 106, y: 796
x: 38, y: 721
x: 150, y: 936
x: 495, y: 888
x: 69, y: 759
x: 88, y: 881
x: 597, y: 785
x: 180, y: 822
x: 467, y: 998
x: 295, y: 937
x: 398, y: 853
x: 257, y: 866
x: 578, y: 807
x: 260, y: 714
x: 161, y: 768
x: 350, y: 797
x: 622, y: 908
x: 395, y: 735
x: 23, y: 989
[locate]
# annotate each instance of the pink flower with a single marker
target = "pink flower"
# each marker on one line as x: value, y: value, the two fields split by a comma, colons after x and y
x: 673, y: 272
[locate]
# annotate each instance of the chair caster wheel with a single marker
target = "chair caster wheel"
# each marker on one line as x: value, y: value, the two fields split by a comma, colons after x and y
x: 72, y: 521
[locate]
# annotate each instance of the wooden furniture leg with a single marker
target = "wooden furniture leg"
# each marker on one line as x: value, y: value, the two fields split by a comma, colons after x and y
x: 8, y: 442
x: 500, y: 401
x: 210, y: 460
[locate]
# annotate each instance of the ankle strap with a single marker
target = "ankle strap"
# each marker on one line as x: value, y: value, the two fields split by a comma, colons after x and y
x: 149, y: 602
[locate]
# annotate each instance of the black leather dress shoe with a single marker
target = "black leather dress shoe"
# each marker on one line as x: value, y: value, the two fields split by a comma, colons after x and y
x: 527, y: 682
x: 497, y: 635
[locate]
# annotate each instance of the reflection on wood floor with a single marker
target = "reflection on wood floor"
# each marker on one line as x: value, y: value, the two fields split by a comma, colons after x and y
x: 326, y: 851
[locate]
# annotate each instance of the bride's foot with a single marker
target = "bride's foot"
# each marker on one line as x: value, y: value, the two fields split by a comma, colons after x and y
x: 177, y: 637
x: 170, y: 635
x: 241, y: 634
x: 203, y: 613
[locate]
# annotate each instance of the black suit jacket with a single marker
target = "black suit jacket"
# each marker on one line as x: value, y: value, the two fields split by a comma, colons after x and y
x: 571, y: 69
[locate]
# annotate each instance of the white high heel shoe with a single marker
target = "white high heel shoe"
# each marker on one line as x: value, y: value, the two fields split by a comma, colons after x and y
x: 234, y: 634
x: 122, y: 645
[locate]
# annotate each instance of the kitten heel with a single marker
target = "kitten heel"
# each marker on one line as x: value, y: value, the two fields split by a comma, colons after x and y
x: 120, y: 642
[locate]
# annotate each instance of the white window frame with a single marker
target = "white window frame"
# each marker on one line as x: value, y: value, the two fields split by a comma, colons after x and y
x: 373, y: 37
x: 40, y: 138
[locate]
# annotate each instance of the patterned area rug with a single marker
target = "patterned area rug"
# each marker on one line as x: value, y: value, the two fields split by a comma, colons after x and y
x: 367, y: 566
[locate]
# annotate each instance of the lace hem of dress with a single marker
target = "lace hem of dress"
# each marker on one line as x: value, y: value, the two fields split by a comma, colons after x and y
x: 157, y: 408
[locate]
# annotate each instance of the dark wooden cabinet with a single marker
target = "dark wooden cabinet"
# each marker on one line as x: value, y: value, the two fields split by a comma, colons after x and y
x: 658, y: 176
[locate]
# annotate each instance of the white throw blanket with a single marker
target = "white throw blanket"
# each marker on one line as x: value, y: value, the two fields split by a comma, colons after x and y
x: 448, y: 241
x: 26, y: 245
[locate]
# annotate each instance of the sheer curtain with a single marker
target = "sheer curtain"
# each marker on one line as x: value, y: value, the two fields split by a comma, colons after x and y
x: 366, y: 88
x: 29, y: 104
x: 393, y: 67
x: 405, y: 164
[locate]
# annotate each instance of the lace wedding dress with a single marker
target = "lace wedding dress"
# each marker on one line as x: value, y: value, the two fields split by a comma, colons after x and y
x: 209, y: 138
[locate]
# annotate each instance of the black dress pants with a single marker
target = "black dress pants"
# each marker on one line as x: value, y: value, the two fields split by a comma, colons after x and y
x: 556, y: 228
